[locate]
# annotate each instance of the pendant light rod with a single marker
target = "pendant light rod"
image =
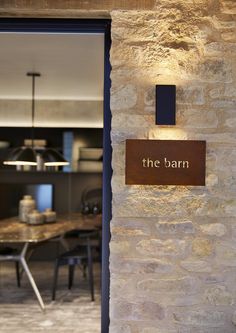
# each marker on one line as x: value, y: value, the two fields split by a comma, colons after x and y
x: 33, y: 75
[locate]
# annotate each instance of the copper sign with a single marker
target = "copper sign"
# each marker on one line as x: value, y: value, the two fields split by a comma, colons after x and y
x: 165, y: 162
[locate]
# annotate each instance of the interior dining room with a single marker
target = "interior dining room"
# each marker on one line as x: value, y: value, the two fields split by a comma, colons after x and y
x: 51, y: 167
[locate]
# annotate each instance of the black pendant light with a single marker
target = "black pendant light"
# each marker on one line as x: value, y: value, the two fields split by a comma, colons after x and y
x: 52, y: 157
x: 21, y: 156
x: 27, y: 155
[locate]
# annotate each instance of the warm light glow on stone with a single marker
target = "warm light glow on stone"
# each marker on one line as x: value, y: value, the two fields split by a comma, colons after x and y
x: 167, y: 133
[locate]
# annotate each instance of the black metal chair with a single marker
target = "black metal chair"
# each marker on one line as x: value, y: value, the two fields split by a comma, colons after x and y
x: 91, y: 201
x: 9, y: 251
x: 80, y: 255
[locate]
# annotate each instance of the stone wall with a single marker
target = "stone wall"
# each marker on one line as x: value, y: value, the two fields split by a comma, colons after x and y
x: 173, y: 248
x: 69, y: 8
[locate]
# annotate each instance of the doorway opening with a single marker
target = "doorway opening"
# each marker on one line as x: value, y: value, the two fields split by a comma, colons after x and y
x: 71, y: 27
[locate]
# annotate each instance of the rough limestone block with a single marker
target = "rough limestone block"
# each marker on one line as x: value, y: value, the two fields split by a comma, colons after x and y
x: 142, y: 266
x: 212, y: 180
x: 123, y: 97
x: 120, y: 328
x: 214, y: 229
x: 128, y: 232
x: 119, y: 247
x: 218, y: 295
x: 200, y: 318
x: 190, y: 95
x: 202, y: 247
x: 194, y: 265
x: 119, y: 119
x: 234, y: 318
x: 184, y: 285
x: 198, y: 118
x: 121, y: 310
x: 162, y: 248
x: 118, y: 164
x: 175, y: 227
x: 119, y: 135
x: 217, y: 70
x: 156, y: 330
x: 148, y: 311
x: 228, y: 6
x: 226, y: 254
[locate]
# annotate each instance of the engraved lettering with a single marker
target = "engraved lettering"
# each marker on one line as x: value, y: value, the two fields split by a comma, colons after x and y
x: 157, y: 163
x: 167, y: 163
x: 175, y: 164
x: 185, y: 164
x: 147, y: 162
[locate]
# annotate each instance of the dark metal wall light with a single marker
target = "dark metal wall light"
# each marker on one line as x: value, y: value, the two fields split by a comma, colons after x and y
x: 165, y: 104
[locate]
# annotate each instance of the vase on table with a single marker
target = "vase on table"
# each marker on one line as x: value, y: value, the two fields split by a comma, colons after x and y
x: 26, y: 206
x: 49, y: 215
x: 35, y: 218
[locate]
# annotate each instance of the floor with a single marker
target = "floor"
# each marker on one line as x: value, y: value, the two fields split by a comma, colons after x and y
x: 72, y: 312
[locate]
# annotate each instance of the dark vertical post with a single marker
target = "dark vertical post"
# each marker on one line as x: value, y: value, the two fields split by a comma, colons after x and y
x: 107, y: 194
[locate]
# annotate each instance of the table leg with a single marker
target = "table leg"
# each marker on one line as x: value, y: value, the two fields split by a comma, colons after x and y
x: 64, y: 243
x: 27, y: 258
x: 30, y: 277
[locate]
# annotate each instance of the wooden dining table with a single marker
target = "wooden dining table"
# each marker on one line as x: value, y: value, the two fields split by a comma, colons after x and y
x: 12, y: 231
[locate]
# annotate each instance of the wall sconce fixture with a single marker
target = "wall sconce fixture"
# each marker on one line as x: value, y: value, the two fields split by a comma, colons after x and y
x: 165, y: 104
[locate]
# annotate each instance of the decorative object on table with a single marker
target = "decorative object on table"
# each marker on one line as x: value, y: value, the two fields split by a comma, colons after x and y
x: 27, y: 155
x: 49, y: 215
x: 35, y: 218
x: 95, y: 208
x: 85, y: 208
x: 26, y: 206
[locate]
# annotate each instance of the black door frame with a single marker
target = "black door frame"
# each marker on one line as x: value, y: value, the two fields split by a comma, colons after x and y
x: 85, y: 26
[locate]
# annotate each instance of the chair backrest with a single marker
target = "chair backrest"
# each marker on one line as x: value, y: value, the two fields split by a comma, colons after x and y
x: 92, y: 194
x: 91, y: 197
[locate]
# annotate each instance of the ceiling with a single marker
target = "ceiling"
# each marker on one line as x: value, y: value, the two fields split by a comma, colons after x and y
x: 71, y: 66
